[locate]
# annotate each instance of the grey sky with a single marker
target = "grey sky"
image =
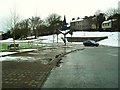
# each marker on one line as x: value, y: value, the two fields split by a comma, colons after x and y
x: 42, y: 8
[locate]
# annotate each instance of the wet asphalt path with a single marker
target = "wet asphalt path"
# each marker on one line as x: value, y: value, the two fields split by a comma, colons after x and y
x: 93, y: 67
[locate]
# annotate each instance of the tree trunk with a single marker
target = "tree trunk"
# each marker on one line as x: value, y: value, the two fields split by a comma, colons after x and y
x: 14, y: 40
x: 57, y: 38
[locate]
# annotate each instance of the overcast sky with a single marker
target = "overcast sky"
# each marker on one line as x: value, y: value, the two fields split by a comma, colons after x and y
x: 42, y: 8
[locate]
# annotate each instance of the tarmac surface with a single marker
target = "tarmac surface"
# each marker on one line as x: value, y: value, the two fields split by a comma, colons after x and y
x: 93, y: 67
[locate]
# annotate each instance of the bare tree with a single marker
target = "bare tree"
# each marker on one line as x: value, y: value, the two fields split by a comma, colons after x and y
x: 111, y: 12
x: 35, y: 22
x: 13, y: 19
x: 23, y: 29
x: 98, y: 12
x: 100, y: 19
x: 53, y: 21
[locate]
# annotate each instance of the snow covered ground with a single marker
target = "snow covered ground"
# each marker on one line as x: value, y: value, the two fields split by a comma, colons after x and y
x: 113, y: 38
x: 16, y: 58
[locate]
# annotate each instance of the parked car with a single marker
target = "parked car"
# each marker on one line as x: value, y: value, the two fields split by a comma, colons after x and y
x: 90, y: 43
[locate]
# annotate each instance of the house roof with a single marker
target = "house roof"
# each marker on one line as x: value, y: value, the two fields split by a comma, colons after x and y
x: 77, y: 20
x: 108, y: 21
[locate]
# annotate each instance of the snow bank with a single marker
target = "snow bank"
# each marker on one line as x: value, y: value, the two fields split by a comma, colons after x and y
x: 17, y: 58
x: 112, y: 40
x: 113, y: 37
x: 6, y: 53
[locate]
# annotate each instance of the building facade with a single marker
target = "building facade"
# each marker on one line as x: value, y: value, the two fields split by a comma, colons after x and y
x: 76, y: 25
x: 85, y: 24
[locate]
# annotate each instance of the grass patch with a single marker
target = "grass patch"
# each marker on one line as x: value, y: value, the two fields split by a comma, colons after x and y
x: 27, y: 46
x: 4, y: 46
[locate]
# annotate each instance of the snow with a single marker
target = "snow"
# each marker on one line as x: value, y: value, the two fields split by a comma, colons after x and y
x: 107, y: 21
x: 6, y: 53
x: 15, y: 58
x: 77, y: 20
x: 113, y: 40
x: 10, y: 40
x: 26, y: 50
x: 113, y: 37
